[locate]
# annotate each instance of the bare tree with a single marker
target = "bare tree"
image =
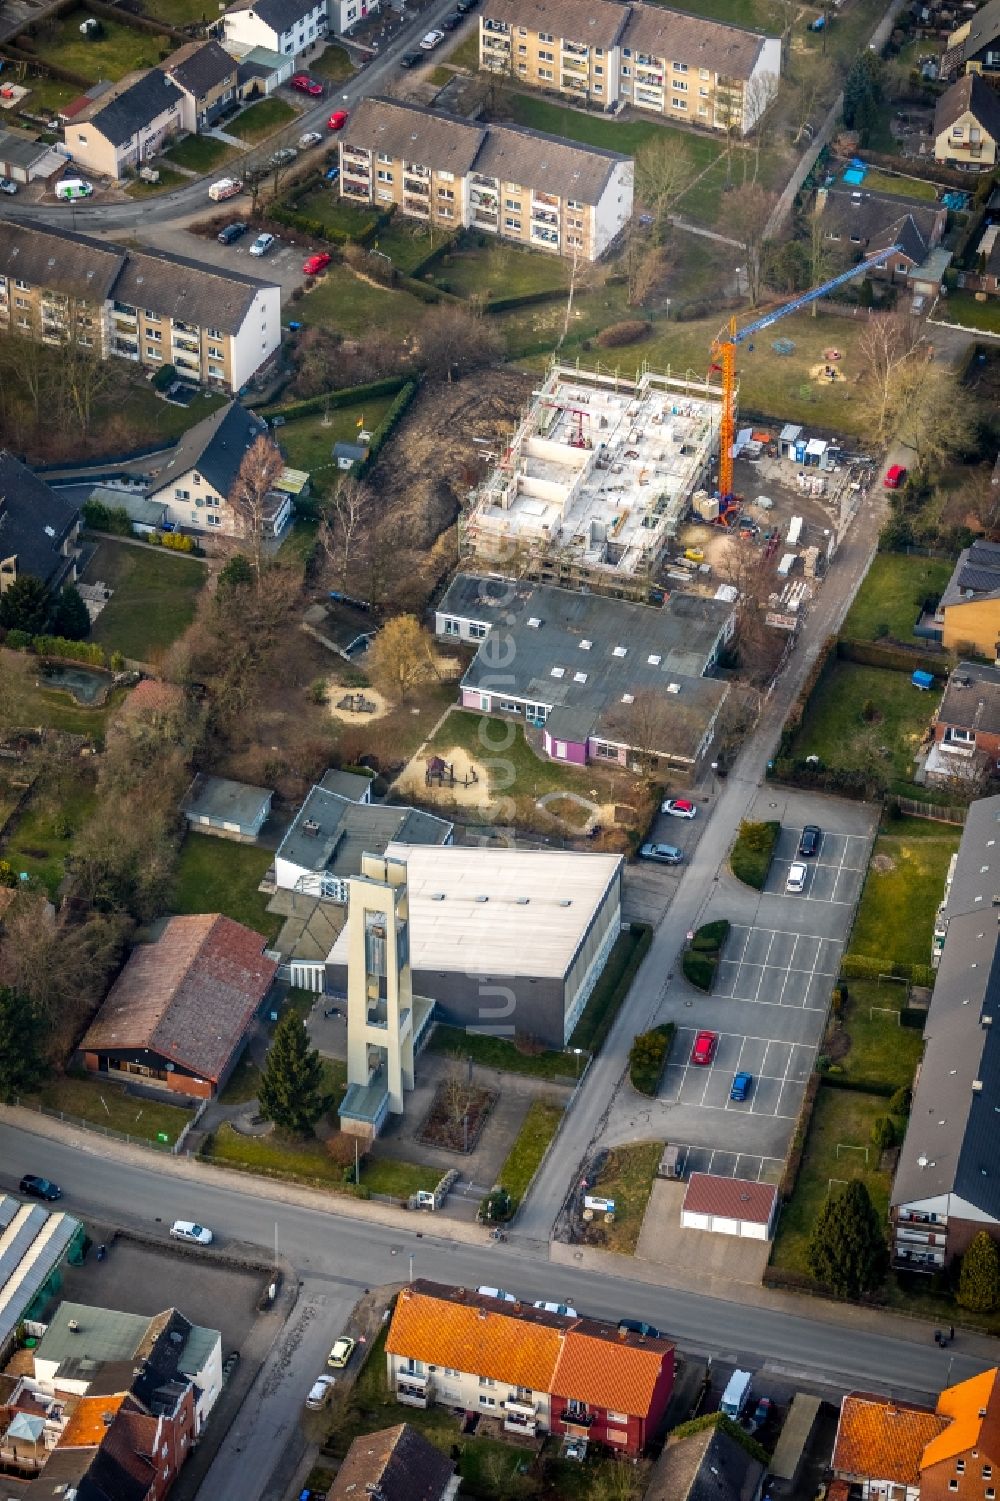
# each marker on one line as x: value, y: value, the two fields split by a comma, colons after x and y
x: 84, y: 374
x: 888, y: 345
x: 259, y: 471
x: 401, y: 655
x: 341, y: 522
x: 746, y: 214
x: 579, y: 271
x: 759, y: 94
x: 453, y: 342
x: 27, y: 361
x: 811, y: 73
x: 663, y: 173
x: 746, y: 569
x: 938, y: 427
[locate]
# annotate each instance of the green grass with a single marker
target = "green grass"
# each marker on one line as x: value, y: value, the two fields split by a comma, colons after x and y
x: 605, y: 1001
x: 48, y: 94
x: 217, y: 875
x: 261, y: 119
x: 962, y: 307
x: 29, y: 704
x: 500, y: 271
x: 891, y: 595
x: 757, y: 15
x: 466, y: 54
x: 530, y: 1146
x: 181, y: 13
x: 154, y: 597
x: 243, y: 1084
x: 627, y: 1177
x: 896, y: 916
x: 308, y: 443
x: 42, y: 837
x: 384, y: 1175
x: 334, y: 65
x: 324, y: 204
x: 168, y: 179
x: 499, y: 750
x: 845, y: 1118
x: 834, y: 729
x: 499, y: 1053
x: 199, y: 153
x: 407, y: 242
x: 901, y: 187
x: 154, y: 420
x: 353, y: 306
x: 103, y: 1103
x: 118, y: 51
x: 441, y: 75
x: 881, y: 1051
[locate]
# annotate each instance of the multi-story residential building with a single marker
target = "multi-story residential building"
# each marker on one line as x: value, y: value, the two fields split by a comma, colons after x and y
x: 116, y: 133
x: 195, y: 484
x: 215, y: 326
x: 974, y: 47
x: 533, y: 189
x: 291, y: 27
x: 687, y: 67
x: 968, y: 612
x: 537, y: 1372
x: 39, y: 528
x: 206, y: 75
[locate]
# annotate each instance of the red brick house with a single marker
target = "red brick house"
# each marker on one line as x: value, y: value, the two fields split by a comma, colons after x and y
x: 609, y: 1392
x: 967, y: 723
x: 179, y: 1013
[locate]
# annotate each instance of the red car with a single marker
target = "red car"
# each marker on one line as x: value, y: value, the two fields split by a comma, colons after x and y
x: 894, y: 477
x: 316, y: 263
x: 704, y: 1048
x: 337, y: 120
x: 307, y: 85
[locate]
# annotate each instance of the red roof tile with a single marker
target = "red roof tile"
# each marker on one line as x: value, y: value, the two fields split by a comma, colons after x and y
x: 883, y: 1440
x: 730, y: 1198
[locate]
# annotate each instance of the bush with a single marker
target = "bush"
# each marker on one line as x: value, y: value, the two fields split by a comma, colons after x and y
x: 753, y: 851
x: 164, y: 378
x: 347, y: 396
x: 629, y: 332
x: 884, y: 1132
x: 647, y: 1056
x: 901, y: 1101
x: 72, y: 651
x: 699, y: 969
x: 18, y: 640
x: 174, y: 541
x: 710, y: 937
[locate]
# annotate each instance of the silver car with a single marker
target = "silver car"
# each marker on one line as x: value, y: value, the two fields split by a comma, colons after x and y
x: 262, y: 244
x: 195, y: 1234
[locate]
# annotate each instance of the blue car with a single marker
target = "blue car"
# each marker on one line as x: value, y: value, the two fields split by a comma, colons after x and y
x: 741, y: 1087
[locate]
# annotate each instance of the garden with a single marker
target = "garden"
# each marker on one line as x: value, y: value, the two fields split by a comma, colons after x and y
x: 218, y: 875
x: 903, y: 889
x: 111, y: 52
x: 895, y: 590
x: 261, y: 119
x: 153, y: 601
x: 864, y: 719
x: 624, y: 1174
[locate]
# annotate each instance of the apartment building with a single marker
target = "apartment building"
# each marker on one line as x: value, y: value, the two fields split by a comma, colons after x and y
x: 216, y: 327
x: 686, y: 67
x: 518, y: 184
x: 126, y: 126
x: 291, y: 27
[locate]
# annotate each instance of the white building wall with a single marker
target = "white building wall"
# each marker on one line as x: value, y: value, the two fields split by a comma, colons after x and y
x: 614, y: 210
x: 464, y: 1389
x: 258, y: 337
x: 181, y: 508
x: 209, y: 1381
x: 763, y: 82
x: 250, y: 31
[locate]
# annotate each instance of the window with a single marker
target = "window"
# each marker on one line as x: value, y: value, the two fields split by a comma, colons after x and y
x: 23, y: 285
x: 680, y: 67
x: 546, y: 36
x: 953, y: 1485
x: 154, y: 333
x: 486, y: 1381
x: 617, y: 1417
x: 508, y: 706
x: 487, y: 1401
x: 702, y: 93
x: 579, y: 677
x: 680, y: 88
x: 21, y: 302
x: 605, y: 752
x: 512, y: 224
x: 383, y: 175
x: 704, y: 73
x: 182, y: 494
x: 478, y: 631
x: 557, y: 672
x: 619, y: 651
x: 448, y: 1371
x: 545, y: 73
x: 452, y: 627
x: 445, y: 212
x: 522, y: 48
x: 446, y: 177
x: 598, y: 69
x: 960, y: 1467
x: 383, y: 158
x: 703, y: 109
x: 987, y: 1472
x: 545, y: 56
x: 626, y: 72
x: 153, y: 317
x: 678, y: 104
x: 512, y: 203
x: 214, y: 520
x: 626, y: 52
x: 151, y: 353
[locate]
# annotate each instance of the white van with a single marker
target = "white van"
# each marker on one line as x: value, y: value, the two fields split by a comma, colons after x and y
x: 226, y: 187
x: 72, y: 188
x: 736, y: 1395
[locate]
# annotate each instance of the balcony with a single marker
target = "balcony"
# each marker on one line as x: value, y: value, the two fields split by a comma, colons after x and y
x: 354, y: 190
x: 186, y: 328
x: 649, y: 79
x: 571, y: 61
x: 193, y: 367
x: 413, y: 1390
x: 574, y: 84
x: 123, y: 313
x: 127, y: 349
x: 189, y: 346
x: 575, y: 49
x: 417, y: 188
x: 547, y: 200
x: 499, y: 28
x: 544, y: 216
x: 578, y: 1420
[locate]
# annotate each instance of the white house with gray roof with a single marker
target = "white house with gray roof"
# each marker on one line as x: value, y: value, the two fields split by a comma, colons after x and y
x: 291, y: 27
x: 196, y: 482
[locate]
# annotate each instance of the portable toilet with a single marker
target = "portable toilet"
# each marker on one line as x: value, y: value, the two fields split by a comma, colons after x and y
x: 923, y: 680
x: 800, y: 451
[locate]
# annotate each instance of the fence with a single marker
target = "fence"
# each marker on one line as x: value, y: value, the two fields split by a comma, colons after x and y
x: 82, y: 1125
x: 937, y: 812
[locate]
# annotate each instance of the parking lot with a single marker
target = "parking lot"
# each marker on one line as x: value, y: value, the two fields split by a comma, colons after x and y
x: 834, y: 874
x: 779, y: 1071
x: 773, y: 967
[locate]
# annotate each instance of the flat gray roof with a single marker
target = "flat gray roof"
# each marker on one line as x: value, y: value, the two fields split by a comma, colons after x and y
x: 228, y: 802
x: 331, y: 833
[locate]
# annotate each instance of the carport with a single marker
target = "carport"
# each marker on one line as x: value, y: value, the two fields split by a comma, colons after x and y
x: 729, y: 1206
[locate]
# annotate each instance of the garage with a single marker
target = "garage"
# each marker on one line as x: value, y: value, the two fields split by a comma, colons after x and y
x: 730, y: 1206
x: 21, y: 156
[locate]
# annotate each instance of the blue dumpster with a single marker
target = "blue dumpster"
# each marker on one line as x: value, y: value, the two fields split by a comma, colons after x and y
x: 923, y: 680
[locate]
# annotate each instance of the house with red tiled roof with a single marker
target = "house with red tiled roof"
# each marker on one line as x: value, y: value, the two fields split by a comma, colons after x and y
x: 536, y: 1372
x: 913, y: 1453
x: 180, y: 1012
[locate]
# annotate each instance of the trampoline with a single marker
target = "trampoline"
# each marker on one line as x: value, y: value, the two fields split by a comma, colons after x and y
x: 855, y: 176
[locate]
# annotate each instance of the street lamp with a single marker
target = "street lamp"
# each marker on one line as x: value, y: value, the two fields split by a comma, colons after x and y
x: 578, y: 1054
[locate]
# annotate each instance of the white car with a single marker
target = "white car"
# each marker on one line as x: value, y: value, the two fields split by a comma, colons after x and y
x: 796, y: 878
x: 320, y: 1392
x: 262, y: 244
x: 563, y: 1308
x: 430, y: 41
x: 187, y: 1230
x: 678, y: 807
x: 311, y: 138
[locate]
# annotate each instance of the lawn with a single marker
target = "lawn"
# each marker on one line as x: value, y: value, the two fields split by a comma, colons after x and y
x: 154, y: 598
x: 962, y: 307
x: 407, y: 242
x: 217, y: 875
x: 325, y: 204
x: 879, y: 1049
x: 138, y: 188
x: 306, y: 1159
x: 117, y: 51
x: 199, y: 153
x: 334, y: 65
x: 890, y: 599
x: 42, y: 837
x: 353, y: 306
x: 835, y: 729
x: 530, y: 1146
x: 153, y: 419
x: 499, y: 1053
x: 627, y: 1177
x: 243, y: 1084
x: 500, y: 271
x: 48, y: 94
x: 27, y: 703
x: 466, y: 54
x: 902, y: 187
x: 180, y: 13
x: 307, y: 441
x: 102, y: 1103
x: 261, y: 119
x: 904, y: 885
x: 756, y: 15
x: 842, y: 1119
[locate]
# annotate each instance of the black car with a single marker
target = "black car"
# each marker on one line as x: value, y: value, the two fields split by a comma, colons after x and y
x: 450, y: 22
x: 411, y: 59
x: 40, y: 1188
x: 636, y: 1326
x: 811, y: 836
x: 232, y: 232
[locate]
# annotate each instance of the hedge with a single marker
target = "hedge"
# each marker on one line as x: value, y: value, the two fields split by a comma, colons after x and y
x: 710, y: 937
x: 526, y: 299
x: 591, y: 1034
x: 753, y: 852
x: 389, y: 422
x: 346, y: 396
x: 432, y: 257
x: 858, y: 1086
x: 897, y: 656
x: 699, y: 969
x: 647, y: 1056
x: 865, y: 967
x: 793, y: 1162
x: 73, y: 651
x: 172, y: 541
x: 101, y: 518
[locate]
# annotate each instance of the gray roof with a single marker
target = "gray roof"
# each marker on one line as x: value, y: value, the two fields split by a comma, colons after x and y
x: 976, y: 880
x: 18, y: 149
x: 696, y: 40
x: 198, y: 67
x: 984, y: 29
x: 599, y: 23
x: 405, y: 131
x: 176, y: 287
x: 330, y: 833
x: 29, y: 1257
x: 349, y: 784
x: 136, y: 507
x: 280, y: 15
x: 228, y: 802
x: 706, y: 1466
x: 515, y: 154
x: 34, y: 521
x: 398, y: 1464
x: 972, y: 698
x: 875, y: 221
x: 60, y: 260
x: 656, y: 655
x: 356, y: 452
x: 114, y: 1351
x: 215, y: 447
x: 136, y: 101
x: 970, y: 93
x: 976, y: 575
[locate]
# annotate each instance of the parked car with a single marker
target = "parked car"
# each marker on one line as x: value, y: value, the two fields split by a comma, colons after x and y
x: 320, y: 1392
x: 282, y: 156
x: 343, y: 1349
x: 193, y: 1233
x: 40, y: 1188
x: 450, y: 23
x: 262, y: 244
x: 309, y: 138
x: 337, y: 120
x: 7, y: 186
x: 664, y: 854
x: 636, y: 1326
x: 563, y: 1308
x: 704, y: 1048
x: 741, y: 1086
x: 307, y: 85
x: 678, y: 807
x: 809, y: 843
x: 429, y: 41
x: 226, y: 187
x: 316, y: 263
x: 795, y: 881
x: 231, y: 232
x: 229, y: 1365
x: 895, y: 476
x: 497, y: 1292
x: 332, y: 174
x: 464, y: 6
x: 410, y: 59
x: 762, y: 1414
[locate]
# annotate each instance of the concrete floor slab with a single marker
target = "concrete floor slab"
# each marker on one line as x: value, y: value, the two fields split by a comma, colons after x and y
x: 664, y: 1240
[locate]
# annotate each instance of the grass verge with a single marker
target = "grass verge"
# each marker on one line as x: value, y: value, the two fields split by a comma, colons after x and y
x: 627, y: 1177
x: 199, y: 153
x: 962, y: 308
x: 102, y: 1103
x: 261, y: 119
x: 903, y: 887
x: 631, y: 947
x: 530, y: 1146
x: 500, y: 1053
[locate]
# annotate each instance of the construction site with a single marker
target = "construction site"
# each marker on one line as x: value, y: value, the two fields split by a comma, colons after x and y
x: 597, y: 479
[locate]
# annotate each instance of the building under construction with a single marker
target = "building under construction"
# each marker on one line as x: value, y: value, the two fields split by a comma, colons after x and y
x: 596, y: 480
